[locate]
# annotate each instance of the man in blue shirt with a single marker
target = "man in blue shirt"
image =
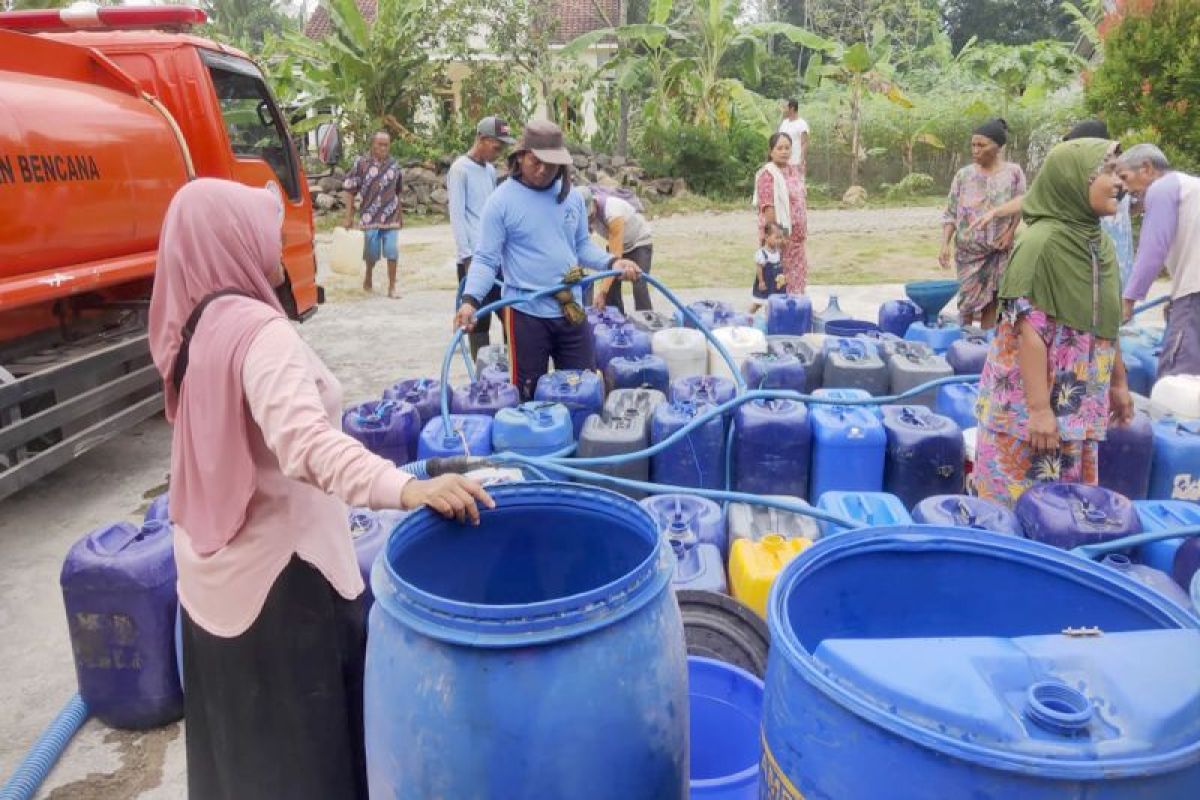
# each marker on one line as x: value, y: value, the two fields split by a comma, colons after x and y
x: 470, y: 182
x: 537, y: 228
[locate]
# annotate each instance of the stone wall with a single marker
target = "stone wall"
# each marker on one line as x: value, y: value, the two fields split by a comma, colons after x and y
x: 425, y: 182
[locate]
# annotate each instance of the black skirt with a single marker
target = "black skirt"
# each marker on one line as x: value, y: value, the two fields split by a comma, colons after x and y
x: 277, y: 712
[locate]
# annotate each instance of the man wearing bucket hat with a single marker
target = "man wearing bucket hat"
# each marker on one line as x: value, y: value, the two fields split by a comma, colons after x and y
x: 537, y: 228
x: 470, y: 182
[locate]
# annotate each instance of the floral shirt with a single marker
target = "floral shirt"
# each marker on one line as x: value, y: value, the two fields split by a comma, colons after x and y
x: 1080, y: 370
x: 972, y: 194
x: 378, y: 183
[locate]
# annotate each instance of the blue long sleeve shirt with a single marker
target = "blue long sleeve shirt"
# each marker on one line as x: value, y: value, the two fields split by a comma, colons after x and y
x: 537, y: 239
x: 469, y: 185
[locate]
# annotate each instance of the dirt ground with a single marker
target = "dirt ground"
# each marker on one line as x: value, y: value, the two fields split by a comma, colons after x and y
x: 369, y: 342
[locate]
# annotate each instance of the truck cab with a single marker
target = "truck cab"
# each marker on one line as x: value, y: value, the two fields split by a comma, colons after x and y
x: 104, y: 114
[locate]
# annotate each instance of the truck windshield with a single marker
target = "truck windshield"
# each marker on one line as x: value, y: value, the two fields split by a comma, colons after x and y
x: 251, y: 118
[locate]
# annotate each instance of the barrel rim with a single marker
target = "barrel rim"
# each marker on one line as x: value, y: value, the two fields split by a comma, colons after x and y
x: 517, y: 625
x: 915, y: 537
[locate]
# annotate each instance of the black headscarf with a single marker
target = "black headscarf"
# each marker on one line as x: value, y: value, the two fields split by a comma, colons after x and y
x: 994, y: 129
x: 1088, y: 129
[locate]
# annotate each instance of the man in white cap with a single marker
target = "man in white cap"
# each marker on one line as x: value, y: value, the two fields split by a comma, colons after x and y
x: 537, y: 228
x: 470, y: 182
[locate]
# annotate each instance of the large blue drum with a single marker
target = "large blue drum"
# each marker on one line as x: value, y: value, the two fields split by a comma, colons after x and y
x: 915, y: 663
x: 540, y: 654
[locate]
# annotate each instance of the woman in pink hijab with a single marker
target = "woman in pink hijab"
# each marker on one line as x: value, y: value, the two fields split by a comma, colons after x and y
x: 261, y: 475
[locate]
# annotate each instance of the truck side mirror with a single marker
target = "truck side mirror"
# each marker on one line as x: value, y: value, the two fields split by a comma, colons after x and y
x: 329, y: 144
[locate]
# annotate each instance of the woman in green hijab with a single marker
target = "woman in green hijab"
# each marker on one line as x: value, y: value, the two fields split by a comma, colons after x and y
x: 1054, y: 376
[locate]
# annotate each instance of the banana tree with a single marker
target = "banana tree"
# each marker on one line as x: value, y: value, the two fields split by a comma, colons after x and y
x: 865, y: 69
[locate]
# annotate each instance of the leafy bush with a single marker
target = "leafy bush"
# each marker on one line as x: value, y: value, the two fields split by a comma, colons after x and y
x: 1149, y: 82
x: 918, y: 184
x: 715, y: 162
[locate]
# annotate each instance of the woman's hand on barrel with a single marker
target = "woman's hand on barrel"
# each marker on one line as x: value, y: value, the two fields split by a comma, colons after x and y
x: 1043, y: 431
x: 452, y: 496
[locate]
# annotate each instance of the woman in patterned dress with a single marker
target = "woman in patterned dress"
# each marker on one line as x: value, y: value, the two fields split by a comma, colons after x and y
x: 1054, y: 376
x: 780, y: 197
x: 980, y: 253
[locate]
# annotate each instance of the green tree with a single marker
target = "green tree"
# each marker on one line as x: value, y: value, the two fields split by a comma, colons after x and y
x: 1005, y: 21
x: 1148, y: 86
x: 247, y: 24
x: 364, y: 76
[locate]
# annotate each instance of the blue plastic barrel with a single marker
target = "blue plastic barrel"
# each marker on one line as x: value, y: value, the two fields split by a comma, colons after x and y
x: 532, y: 429
x: 581, y: 391
x: 1175, y: 470
x: 368, y: 533
x: 968, y: 355
x: 1067, y: 515
x: 388, y: 428
x: 810, y: 357
x: 871, y: 509
x: 869, y: 630
x: 1126, y: 457
x: 484, y: 397
x: 964, y: 511
x: 648, y: 371
x: 896, y: 315
x: 771, y: 448
x: 788, y: 315
x: 423, y: 394
x: 540, y: 654
x: 686, y: 516
x: 939, y: 337
x: 468, y: 434
x: 118, y: 586
x: 726, y: 711
x: 620, y: 340
x: 925, y: 454
x: 770, y: 371
x: 698, y: 459
x: 957, y: 401
x: 1166, y: 515
x: 848, y: 450
x: 698, y: 566
x: 705, y: 310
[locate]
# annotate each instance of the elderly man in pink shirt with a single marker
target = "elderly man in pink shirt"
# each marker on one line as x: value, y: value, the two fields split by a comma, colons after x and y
x: 1170, y: 238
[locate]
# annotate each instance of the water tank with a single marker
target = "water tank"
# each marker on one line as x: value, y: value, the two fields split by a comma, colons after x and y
x: 648, y: 371
x: 423, y: 394
x: 467, y: 434
x: 484, y: 397
x: 1126, y: 457
x: 740, y: 342
x: 1175, y: 468
x: 771, y: 448
x: 698, y: 459
x: 489, y: 672
x: 685, y: 350
x: 896, y: 315
x: 581, y: 391
x: 689, y: 517
x: 848, y: 449
x: 388, y: 428
x: 118, y: 586
x: 1067, y: 515
x: 924, y: 454
x: 788, y: 315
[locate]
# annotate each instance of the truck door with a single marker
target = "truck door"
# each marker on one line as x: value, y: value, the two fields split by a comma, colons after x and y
x: 262, y: 153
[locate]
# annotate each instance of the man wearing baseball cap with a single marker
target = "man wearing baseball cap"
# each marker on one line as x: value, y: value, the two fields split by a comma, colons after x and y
x: 470, y: 182
x: 537, y: 228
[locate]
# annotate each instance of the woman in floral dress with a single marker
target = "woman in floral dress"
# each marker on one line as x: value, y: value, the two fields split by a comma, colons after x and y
x: 1054, y: 376
x: 780, y: 197
x: 981, y: 252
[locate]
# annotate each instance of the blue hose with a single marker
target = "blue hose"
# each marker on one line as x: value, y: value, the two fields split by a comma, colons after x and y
x: 1158, y: 301
x: 46, y: 751
x: 1137, y: 539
